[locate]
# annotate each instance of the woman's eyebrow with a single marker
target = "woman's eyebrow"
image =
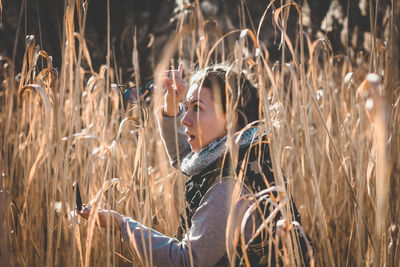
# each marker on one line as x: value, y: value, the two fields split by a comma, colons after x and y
x: 194, y: 101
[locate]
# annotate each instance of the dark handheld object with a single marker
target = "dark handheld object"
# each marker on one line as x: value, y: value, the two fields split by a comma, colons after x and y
x: 75, y: 186
x: 135, y: 94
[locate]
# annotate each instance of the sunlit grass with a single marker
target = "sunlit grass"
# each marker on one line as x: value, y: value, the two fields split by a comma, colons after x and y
x: 334, y: 133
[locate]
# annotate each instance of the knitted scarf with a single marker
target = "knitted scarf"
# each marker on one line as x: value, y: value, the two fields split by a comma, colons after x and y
x: 196, y: 162
x: 204, y: 167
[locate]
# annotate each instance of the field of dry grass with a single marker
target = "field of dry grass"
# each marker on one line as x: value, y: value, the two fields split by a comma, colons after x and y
x: 334, y: 132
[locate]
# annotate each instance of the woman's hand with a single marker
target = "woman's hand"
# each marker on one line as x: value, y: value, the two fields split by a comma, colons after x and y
x: 105, y: 217
x: 176, y: 87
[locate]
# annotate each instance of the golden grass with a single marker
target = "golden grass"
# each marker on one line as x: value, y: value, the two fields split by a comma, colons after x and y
x: 334, y: 133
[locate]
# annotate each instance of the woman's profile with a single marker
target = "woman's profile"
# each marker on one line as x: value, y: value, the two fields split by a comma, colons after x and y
x: 234, y: 213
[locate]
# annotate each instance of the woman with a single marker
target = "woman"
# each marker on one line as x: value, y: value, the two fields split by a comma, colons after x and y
x: 230, y: 191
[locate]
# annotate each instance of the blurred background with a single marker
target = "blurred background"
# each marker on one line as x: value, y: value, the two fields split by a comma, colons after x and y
x: 346, y: 24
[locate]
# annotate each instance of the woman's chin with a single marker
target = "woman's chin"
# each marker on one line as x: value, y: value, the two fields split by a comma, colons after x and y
x: 194, y: 147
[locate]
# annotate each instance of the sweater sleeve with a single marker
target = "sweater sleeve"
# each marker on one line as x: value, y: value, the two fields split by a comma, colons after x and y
x: 173, y: 135
x: 205, y: 241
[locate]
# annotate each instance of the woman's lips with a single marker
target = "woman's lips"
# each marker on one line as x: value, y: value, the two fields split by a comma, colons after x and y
x: 191, y: 136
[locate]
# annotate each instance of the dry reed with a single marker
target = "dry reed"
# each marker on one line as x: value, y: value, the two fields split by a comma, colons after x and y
x: 334, y: 134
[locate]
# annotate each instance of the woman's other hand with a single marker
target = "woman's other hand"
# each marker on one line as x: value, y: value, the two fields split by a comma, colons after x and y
x: 175, y: 88
x: 105, y: 217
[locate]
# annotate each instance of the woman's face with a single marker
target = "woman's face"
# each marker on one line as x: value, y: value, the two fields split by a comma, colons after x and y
x: 204, y: 119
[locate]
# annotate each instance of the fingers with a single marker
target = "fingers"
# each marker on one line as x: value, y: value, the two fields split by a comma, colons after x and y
x: 173, y: 81
x: 105, y: 218
x: 84, y: 212
x: 180, y: 69
x: 168, y: 85
x: 175, y: 88
x: 174, y: 74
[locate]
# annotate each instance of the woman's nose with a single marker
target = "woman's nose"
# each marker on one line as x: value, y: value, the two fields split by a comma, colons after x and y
x: 186, y: 120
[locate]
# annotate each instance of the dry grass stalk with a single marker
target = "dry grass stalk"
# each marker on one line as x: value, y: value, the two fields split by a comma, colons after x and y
x: 338, y: 152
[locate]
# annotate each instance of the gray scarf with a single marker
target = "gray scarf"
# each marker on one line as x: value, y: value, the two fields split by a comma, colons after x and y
x: 194, y: 162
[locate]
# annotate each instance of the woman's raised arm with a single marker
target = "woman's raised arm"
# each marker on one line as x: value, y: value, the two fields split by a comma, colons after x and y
x: 170, y: 115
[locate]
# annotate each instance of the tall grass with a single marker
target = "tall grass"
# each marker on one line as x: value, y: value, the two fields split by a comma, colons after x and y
x: 333, y: 128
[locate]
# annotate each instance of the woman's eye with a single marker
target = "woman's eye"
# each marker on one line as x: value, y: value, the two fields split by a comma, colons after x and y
x: 191, y: 107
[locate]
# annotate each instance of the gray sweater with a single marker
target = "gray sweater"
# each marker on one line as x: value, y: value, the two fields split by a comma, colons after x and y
x: 206, y: 239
